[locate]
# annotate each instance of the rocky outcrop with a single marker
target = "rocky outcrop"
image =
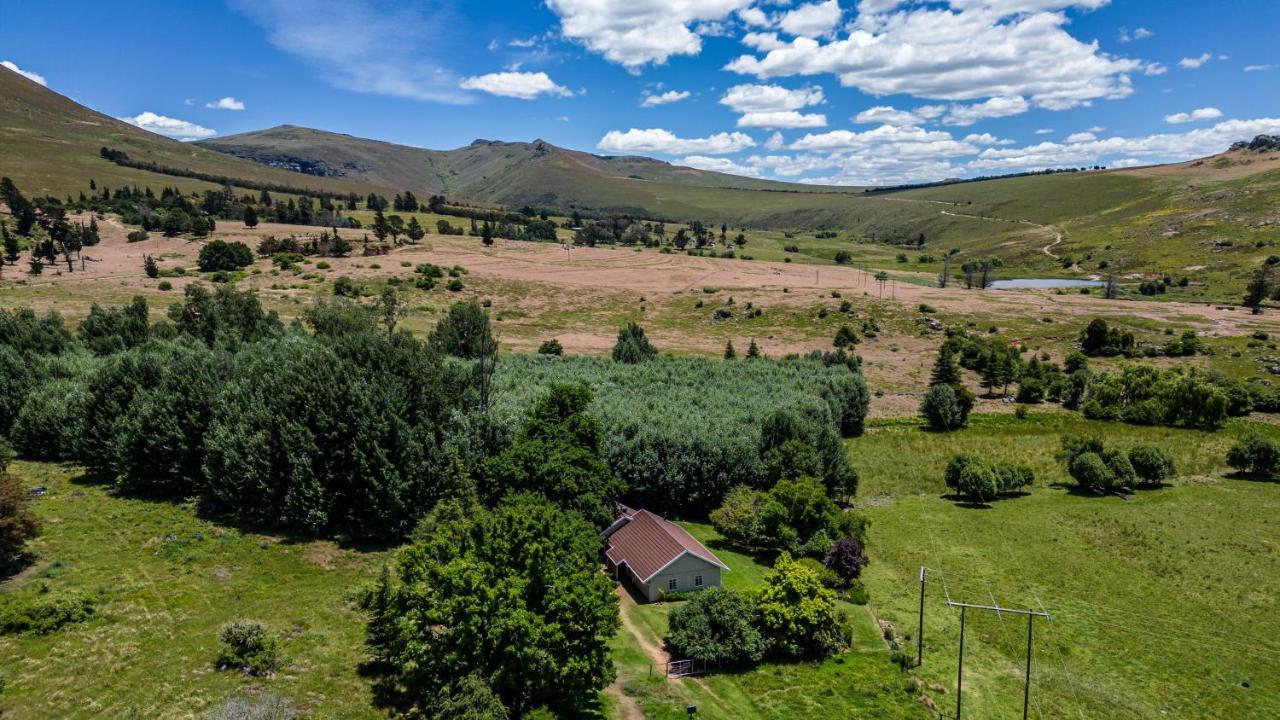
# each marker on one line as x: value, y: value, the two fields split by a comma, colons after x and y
x: 1261, y: 143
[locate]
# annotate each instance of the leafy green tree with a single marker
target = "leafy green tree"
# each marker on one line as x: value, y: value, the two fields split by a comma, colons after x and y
x: 415, y: 231
x: 1151, y: 464
x: 221, y: 255
x: 17, y: 523
x: 798, y: 615
x: 464, y: 332
x: 558, y: 454
x: 381, y: 228
x: 796, y: 510
x: 513, y: 596
x: 110, y: 330
x: 250, y: 216
x: 470, y: 698
x: 632, y: 345
x: 942, y: 409
x: 716, y: 626
x: 1257, y: 455
x: 738, y: 517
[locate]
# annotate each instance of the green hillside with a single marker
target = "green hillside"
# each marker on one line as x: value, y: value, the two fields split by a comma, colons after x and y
x: 49, y: 145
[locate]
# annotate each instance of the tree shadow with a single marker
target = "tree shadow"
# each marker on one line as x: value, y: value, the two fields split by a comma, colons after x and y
x: 14, y: 566
x: 1252, y: 477
x: 759, y: 556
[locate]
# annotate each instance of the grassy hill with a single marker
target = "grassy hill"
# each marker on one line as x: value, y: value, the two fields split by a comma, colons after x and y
x: 49, y: 145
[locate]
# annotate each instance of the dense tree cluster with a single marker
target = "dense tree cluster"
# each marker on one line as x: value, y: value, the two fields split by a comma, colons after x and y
x: 1100, y: 469
x: 1147, y: 395
x: 795, y: 515
x: 507, y: 605
x: 791, y: 617
x: 979, y: 481
x: 1256, y: 455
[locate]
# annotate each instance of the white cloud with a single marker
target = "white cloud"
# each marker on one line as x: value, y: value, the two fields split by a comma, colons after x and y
x: 973, y: 50
x: 1096, y: 129
x: 887, y: 115
x: 361, y: 47
x: 169, y: 127
x: 33, y: 77
x: 1044, y: 131
x: 665, y: 98
x: 1081, y: 137
x: 764, y: 42
x: 724, y: 165
x: 1207, y: 113
x: 1256, y: 68
x: 658, y: 140
x: 754, y: 17
x: 637, y: 32
x: 521, y: 85
x: 1137, y: 34
x: 813, y: 20
x: 1195, y: 62
x: 1154, y: 68
x: 986, y: 139
x: 965, y: 115
x: 1167, y: 147
x: 773, y: 106
x: 782, y: 119
x: 775, y: 142
x: 901, y: 141
x: 226, y: 103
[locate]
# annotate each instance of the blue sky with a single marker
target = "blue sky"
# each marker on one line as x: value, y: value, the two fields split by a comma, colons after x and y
x: 840, y: 91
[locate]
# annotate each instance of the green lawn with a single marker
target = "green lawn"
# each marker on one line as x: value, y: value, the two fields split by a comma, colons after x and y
x: 169, y: 580
x: 1163, y: 604
x: 860, y: 683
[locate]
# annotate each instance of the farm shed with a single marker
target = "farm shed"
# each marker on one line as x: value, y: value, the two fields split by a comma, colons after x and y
x: 657, y: 556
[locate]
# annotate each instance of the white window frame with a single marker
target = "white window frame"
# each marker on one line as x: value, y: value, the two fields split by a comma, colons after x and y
x: 672, y: 584
x: 697, y: 581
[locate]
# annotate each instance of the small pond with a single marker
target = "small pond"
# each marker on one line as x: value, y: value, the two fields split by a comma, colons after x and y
x: 1043, y: 284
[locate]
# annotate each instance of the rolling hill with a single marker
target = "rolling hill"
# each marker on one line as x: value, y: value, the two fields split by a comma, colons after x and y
x: 49, y: 145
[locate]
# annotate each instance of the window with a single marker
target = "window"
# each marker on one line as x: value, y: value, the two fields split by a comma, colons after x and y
x: 671, y: 584
x: 697, y: 581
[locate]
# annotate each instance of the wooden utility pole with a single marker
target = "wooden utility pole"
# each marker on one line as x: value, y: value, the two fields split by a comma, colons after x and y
x: 920, y: 630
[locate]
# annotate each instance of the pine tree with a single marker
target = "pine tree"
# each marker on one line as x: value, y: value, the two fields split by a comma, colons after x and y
x: 486, y: 234
x: 753, y: 350
x: 945, y: 369
x: 11, y: 248
x: 415, y: 231
x: 250, y: 217
x: 380, y: 226
x: 729, y: 353
x: 150, y: 267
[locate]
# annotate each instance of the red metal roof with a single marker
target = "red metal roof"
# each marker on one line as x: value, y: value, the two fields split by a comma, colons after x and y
x: 648, y: 543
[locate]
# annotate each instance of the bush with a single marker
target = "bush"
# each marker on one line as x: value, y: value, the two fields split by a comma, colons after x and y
x: 1090, y: 472
x: 248, y: 646
x: 346, y: 287
x: 716, y: 626
x: 846, y: 558
x: 1152, y: 465
x: 455, y: 285
x: 1030, y: 391
x: 1256, y: 455
x: 632, y: 345
x: 136, y: 236
x: 221, y: 255
x: 980, y: 481
x: 165, y: 285
x: 46, y: 613
x: 551, y: 347
x: 798, y: 616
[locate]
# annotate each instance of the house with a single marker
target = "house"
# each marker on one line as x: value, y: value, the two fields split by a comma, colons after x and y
x: 657, y: 556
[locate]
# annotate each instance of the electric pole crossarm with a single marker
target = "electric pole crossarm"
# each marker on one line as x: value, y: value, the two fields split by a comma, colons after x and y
x: 998, y: 609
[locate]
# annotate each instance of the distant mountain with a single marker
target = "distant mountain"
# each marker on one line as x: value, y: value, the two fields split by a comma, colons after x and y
x: 487, y: 171
x: 49, y: 145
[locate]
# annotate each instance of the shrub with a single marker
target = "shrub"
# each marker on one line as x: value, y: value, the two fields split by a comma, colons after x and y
x: 46, y: 613
x: 798, y: 616
x: 221, y: 255
x: 136, y: 236
x: 980, y: 481
x: 346, y: 287
x: 1152, y: 465
x: 455, y: 285
x: 1091, y: 472
x: 717, y: 626
x: 845, y: 337
x: 632, y: 345
x: 846, y: 558
x: 464, y: 332
x: 248, y: 646
x: 1257, y: 455
x: 165, y: 285
x: 1030, y: 391
x: 551, y: 347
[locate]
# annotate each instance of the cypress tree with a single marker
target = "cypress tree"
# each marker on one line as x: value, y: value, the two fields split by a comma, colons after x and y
x: 729, y: 352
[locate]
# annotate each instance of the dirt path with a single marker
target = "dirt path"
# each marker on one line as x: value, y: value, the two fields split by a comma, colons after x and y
x: 654, y: 652
x: 628, y: 708
x: 1047, y: 249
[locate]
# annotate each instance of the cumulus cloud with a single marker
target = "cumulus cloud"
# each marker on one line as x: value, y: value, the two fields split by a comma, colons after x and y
x: 1081, y: 137
x: 902, y: 141
x: 775, y: 142
x: 773, y: 106
x: 888, y: 115
x: 724, y: 165
x: 812, y: 20
x: 1191, y: 63
x: 1137, y: 34
x: 226, y: 103
x: 520, y: 85
x: 987, y: 139
x: 33, y: 77
x: 754, y: 17
x: 659, y: 140
x: 364, y: 46
x: 639, y: 32
x: 665, y: 98
x: 965, y: 115
x: 971, y: 50
x: 1206, y: 113
x: 169, y: 127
